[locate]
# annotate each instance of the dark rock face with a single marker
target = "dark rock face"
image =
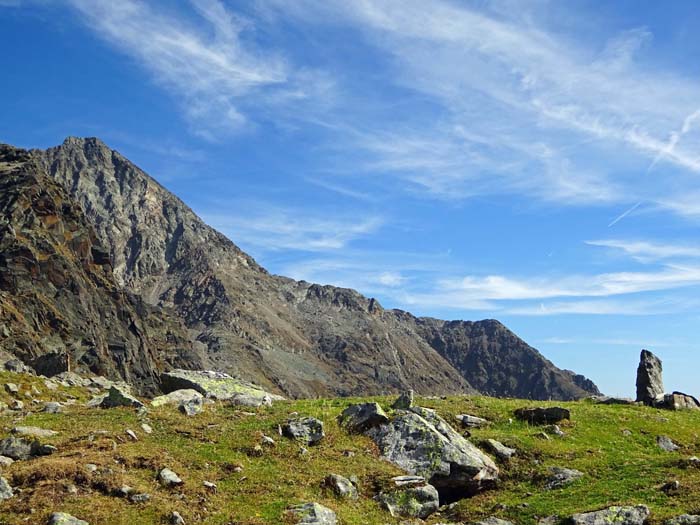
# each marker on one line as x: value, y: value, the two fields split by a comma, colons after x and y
x: 56, y: 302
x: 164, y: 268
x: 650, y: 383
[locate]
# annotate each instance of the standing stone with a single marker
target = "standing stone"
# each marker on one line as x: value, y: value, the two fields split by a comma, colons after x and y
x: 650, y: 383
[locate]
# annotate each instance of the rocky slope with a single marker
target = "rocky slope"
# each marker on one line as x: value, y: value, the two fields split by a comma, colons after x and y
x: 296, y: 338
x: 58, y: 296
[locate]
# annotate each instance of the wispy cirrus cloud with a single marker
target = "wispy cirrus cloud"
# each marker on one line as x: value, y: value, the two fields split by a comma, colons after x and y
x: 646, y: 251
x: 210, y: 63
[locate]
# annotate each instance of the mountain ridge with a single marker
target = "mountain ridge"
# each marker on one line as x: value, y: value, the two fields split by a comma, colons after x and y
x: 298, y: 338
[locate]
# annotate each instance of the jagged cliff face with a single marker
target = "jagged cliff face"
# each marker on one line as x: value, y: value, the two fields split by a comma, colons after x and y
x: 298, y: 338
x: 58, y: 296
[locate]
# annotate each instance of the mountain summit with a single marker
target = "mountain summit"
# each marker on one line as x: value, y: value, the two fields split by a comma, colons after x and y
x: 293, y: 337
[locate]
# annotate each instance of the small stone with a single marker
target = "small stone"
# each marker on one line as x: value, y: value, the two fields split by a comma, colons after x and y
x: 666, y: 443
x: 411, y: 502
x: 685, y: 519
x: 209, y: 485
x: 313, y: 514
x: 91, y: 467
x: 691, y: 462
x: 404, y: 401
x: 139, y: 498
x: 33, y: 431
x: 560, y: 477
x: 493, y: 520
x: 361, y: 417
x: 11, y: 388
x: 52, y: 407
x: 341, y: 487
x: 267, y: 441
x: 626, y: 432
x: 256, y: 452
x: 16, y: 404
x: 543, y: 435
x: 176, y: 518
x: 5, y: 489
x: 191, y: 407
x: 501, y: 451
x: 132, y: 435
x: 469, y: 421
x: 5, y: 461
x: 618, y: 515
x: 123, y: 491
x: 408, y: 481
x: 146, y: 428
x: 119, y: 397
x: 306, y: 429
x: 554, y: 429
x: 61, y: 518
x: 168, y: 478
x: 670, y: 487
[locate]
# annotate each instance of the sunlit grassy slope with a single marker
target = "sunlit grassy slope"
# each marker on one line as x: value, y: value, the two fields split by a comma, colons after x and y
x: 620, y: 467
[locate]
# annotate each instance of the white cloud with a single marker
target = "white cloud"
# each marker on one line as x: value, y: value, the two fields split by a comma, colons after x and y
x: 646, y: 251
x: 276, y: 229
x: 209, y: 64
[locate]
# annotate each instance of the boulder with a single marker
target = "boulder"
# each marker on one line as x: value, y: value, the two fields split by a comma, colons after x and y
x: 561, y: 476
x: 306, y: 429
x: 636, y: 515
x: 52, y: 407
x: 19, y: 448
x: 313, y: 514
x: 176, y: 397
x: 404, y: 401
x: 341, y: 487
x: 11, y: 388
x: 61, y: 518
x: 650, y: 383
x: 118, y: 397
x: 33, y: 432
x: 214, y: 385
x: 685, y: 519
x: 362, y: 417
x: 5, y: 489
x: 423, y: 444
x: 677, y: 401
x: 542, y: 415
x: 469, y: 421
x: 411, y: 502
x: 501, y: 451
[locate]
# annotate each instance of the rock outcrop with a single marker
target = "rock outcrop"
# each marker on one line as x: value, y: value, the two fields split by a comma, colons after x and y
x: 650, y: 384
x: 636, y: 515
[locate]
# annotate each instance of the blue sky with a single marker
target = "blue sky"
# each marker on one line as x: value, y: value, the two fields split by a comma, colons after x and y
x: 535, y: 162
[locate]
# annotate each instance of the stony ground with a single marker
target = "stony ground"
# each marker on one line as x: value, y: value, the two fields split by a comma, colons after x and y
x: 614, y: 446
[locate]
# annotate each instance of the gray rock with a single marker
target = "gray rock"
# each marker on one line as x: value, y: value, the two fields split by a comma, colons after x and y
x: 423, y: 444
x: 404, y: 481
x: 411, y: 502
x: 139, y: 498
x: 5, y: 461
x: 306, y: 429
x: 678, y: 401
x: 341, y: 487
x: 691, y: 462
x: 19, y: 448
x: 176, y: 518
x: 404, y: 401
x: 361, y: 417
x: 501, y: 451
x: 493, y: 520
x: 61, y: 518
x: 611, y: 400
x: 33, y: 432
x: 17, y: 366
x: 132, y: 435
x: 177, y: 397
x: 636, y: 515
x: 250, y: 400
x: 666, y: 443
x: 554, y: 429
x: 650, y: 383
x: 16, y: 404
x: 5, y: 489
x: 560, y: 477
x: 146, y: 428
x: 542, y: 415
x: 469, y: 421
x: 192, y: 407
x: 313, y: 514
x: 214, y: 385
x: 684, y: 519
x: 168, y: 478
x: 11, y: 388
x: 118, y: 397
x: 52, y: 407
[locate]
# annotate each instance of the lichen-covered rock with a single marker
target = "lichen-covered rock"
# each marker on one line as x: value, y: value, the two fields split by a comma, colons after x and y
x: 561, y: 476
x: 6, y: 491
x: 19, y: 448
x: 168, y: 478
x: 542, y: 415
x: 636, y: 515
x: 176, y: 397
x: 61, y: 518
x: 422, y: 443
x: 363, y: 416
x: 685, y: 519
x: 313, y: 514
x: 118, y: 397
x: 341, y: 486
x: 411, y: 502
x: 211, y: 384
x: 306, y: 429
x: 404, y: 401
x: 501, y: 451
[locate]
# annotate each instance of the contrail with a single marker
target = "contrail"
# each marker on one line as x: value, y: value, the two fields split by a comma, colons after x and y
x: 625, y: 214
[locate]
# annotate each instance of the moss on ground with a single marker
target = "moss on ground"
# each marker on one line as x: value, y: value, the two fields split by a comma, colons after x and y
x: 619, y: 468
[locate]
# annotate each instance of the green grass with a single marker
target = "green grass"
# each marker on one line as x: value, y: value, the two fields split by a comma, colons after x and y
x: 618, y: 469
